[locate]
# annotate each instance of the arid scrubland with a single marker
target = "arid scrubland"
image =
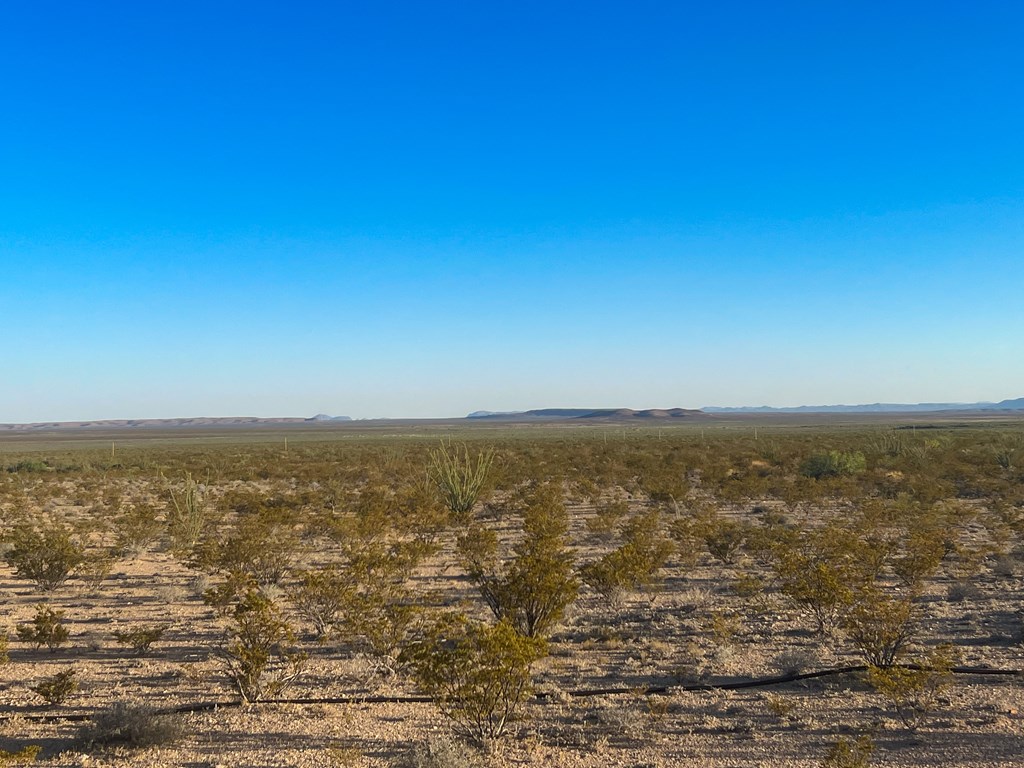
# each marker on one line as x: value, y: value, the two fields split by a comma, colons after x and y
x: 576, y: 597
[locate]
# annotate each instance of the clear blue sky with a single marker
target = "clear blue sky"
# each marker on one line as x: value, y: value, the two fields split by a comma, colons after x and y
x: 423, y: 209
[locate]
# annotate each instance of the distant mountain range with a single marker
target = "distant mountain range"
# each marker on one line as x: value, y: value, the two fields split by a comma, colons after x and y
x: 1004, y: 405
x: 199, y: 421
x: 535, y: 415
x: 587, y: 413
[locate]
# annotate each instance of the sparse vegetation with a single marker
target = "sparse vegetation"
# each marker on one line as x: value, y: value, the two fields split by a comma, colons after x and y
x: 916, y: 692
x: 706, y: 558
x: 636, y: 562
x: 25, y: 756
x: 850, y: 753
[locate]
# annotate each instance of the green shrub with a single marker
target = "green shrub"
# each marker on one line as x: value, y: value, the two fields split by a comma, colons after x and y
x: 635, y: 564
x: 849, y: 753
x: 25, y: 756
x: 607, y: 517
x: 139, y: 639
x: 833, y: 464
x: 47, y: 628
x: 924, y: 551
x: 55, y: 690
x: 137, y: 528
x: 259, y: 655
x: 818, y: 585
x: 534, y: 589
x: 47, y: 555
x: 915, y: 691
x: 724, y: 538
x: 260, y: 545
x: 95, y: 569
x: 225, y: 596
x: 880, y: 627
x: 187, y: 515
x: 323, y: 597
x: 380, y: 612
x: 478, y: 674
x: 30, y: 465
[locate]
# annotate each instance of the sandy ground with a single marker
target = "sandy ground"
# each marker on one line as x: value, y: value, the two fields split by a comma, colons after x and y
x: 652, y: 639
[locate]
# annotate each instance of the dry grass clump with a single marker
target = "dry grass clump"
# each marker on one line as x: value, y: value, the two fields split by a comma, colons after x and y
x: 129, y: 725
x: 25, y: 756
x: 441, y: 751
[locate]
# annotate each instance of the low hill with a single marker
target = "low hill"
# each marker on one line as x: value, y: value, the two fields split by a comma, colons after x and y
x: 188, y: 422
x: 604, y: 414
x: 1004, y: 405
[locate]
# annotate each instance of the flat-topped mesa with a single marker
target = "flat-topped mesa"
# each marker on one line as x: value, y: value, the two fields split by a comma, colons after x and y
x: 576, y: 414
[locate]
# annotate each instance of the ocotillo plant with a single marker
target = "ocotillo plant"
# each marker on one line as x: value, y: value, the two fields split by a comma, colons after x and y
x: 459, y: 478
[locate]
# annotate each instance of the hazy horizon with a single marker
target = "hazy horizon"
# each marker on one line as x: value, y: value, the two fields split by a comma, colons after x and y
x: 466, y: 412
x: 422, y: 211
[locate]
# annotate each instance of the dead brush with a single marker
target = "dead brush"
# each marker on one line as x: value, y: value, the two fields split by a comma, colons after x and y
x: 25, y: 756
x: 129, y: 725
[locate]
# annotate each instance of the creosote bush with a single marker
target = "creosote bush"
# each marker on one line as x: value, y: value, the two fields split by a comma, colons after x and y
x: 25, y: 756
x: 47, y: 628
x: 636, y: 562
x: 849, y: 753
x: 56, y: 689
x: 262, y: 546
x: 723, y: 538
x: 533, y: 590
x: 819, y: 574
x: 259, y: 655
x: 915, y: 691
x: 323, y: 597
x: 139, y: 639
x: 135, y: 529
x: 479, y: 674
x: 47, y: 555
x: 880, y: 627
x: 834, y: 464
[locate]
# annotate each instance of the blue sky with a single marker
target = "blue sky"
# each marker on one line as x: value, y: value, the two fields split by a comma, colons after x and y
x: 423, y: 209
